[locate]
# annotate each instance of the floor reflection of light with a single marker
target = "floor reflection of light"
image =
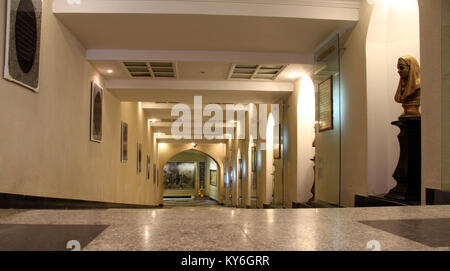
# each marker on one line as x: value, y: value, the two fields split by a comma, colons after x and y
x: 146, y: 235
x: 270, y: 216
x: 154, y: 214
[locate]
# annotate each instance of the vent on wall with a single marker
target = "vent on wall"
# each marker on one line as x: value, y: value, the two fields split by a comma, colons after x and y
x: 255, y: 72
x: 151, y: 69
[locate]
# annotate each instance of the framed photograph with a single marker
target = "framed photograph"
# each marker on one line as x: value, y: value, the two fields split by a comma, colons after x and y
x: 23, y: 42
x: 241, y: 167
x: 179, y: 176
x: 96, y: 112
x: 124, y: 143
x: 139, y: 158
x: 154, y: 174
x: 253, y: 159
x: 148, y: 167
x: 213, y: 177
x: 325, y: 96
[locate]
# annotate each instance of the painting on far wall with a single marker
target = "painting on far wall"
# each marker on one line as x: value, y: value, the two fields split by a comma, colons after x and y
x: 23, y: 42
x: 154, y: 174
x: 213, y: 177
x: 96, y: 112
x: 179, y: 175
x: 139, y: 158
x: 148, y: 167
x: 124, y: 143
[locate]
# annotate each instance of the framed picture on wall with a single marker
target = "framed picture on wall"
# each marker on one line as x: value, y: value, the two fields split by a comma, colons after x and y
x: 325, y: 104
x: 139, y: 158
x: 148, y: 167
x: 241, y: 168
x: 96, y: 112
x: 154, y: 174
x: 213, y: 177
x: 124, y: 142
x: 23, y: 42
x: 179, y: 175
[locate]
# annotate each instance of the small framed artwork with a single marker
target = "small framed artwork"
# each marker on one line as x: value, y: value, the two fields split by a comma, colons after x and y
x: 96, y: 112
x: 241, y: 168
x: 325, y: 96
x: 148, y: 167
x: 154, y: 174
x: 213, y: 177
x: 139, y: 158
x: 23, y: 42
x: 253, y: 159
x: 124, y: 143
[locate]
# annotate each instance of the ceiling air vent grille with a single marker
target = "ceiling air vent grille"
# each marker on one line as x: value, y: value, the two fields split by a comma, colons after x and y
x: 151, y: 69
x: 138, y: 69
x: 255, y: 72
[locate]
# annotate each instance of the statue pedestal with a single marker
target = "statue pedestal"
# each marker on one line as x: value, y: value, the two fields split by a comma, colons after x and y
x: 408, y: 172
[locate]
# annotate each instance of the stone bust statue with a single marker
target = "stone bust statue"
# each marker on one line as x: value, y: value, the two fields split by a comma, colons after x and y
x: 408, y: 92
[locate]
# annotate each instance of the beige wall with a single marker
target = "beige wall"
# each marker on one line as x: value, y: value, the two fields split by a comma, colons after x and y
x: 45, y: 146
x: 446, y: 95
x: 290, y: 146
x: 354, y: 110
x: 430, y: 38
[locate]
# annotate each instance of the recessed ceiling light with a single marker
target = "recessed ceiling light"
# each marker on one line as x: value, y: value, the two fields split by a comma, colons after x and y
x: 109, y: 71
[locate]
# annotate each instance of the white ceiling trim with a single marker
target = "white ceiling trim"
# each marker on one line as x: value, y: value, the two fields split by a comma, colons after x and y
x: 212, y: 56
x: 325, y: 10
x: 200, y: 85
x: 169, y: 106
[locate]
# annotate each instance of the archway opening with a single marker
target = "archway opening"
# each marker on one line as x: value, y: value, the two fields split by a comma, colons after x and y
x: 191, y: 177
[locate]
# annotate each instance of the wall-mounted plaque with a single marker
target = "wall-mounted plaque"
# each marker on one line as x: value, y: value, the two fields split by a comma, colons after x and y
x: 213, y: 177
x: 22, y: 43
x: 326, y: 105
x: 124, y: 143
x: 148, y: 167
x: 139, y: 158
x: 154, y: 174
x: 96, y: 112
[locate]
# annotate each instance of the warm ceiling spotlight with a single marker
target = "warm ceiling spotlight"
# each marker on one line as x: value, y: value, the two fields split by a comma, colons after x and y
x: 109, y: 71
x: 154, y: 120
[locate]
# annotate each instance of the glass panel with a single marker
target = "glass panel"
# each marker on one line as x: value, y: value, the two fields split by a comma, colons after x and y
x: 326, y: 77
x: 446, y: 95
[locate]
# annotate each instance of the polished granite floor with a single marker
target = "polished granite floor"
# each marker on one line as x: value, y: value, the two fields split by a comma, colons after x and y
x: 220, y: 228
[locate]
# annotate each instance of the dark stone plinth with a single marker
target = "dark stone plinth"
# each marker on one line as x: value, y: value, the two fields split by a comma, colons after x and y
x: 408, y: 171
x: 437, y: 197
x: 380, y: 201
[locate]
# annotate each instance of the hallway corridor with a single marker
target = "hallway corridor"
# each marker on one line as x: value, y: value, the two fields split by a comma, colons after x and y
x: 228, y: 229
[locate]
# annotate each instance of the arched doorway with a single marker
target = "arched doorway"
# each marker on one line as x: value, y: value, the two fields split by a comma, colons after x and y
x: 191, y: 175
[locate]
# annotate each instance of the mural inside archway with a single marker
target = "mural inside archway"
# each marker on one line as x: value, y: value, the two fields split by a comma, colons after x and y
x: 190, y: 173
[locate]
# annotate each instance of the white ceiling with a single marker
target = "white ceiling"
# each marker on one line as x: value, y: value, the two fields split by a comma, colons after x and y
x: 204, y: 38
x: 199, y: 32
